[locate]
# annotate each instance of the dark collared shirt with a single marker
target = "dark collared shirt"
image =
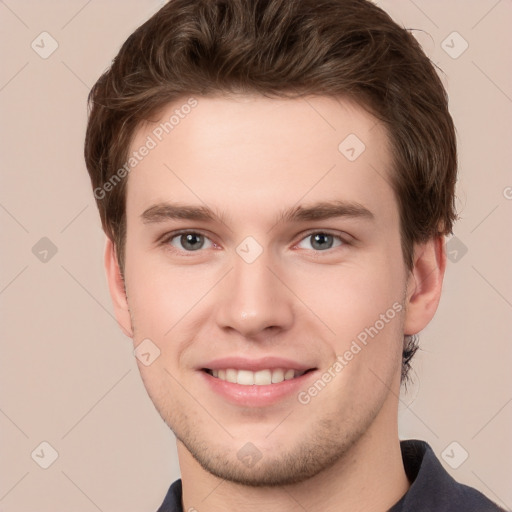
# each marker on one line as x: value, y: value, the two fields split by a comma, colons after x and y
x: 432, y: 488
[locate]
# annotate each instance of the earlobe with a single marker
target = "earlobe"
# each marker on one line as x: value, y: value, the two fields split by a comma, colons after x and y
x: 425, y: 284
x: 117, y: 289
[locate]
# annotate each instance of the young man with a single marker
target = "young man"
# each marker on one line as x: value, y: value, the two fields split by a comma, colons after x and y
x: 275, y: 178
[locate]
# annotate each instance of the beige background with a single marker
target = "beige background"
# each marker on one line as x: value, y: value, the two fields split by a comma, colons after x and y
x: 68, y: 376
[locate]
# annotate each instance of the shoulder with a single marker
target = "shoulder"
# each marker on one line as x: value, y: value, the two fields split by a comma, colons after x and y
x: 172, y: 501
x: 433, y: 488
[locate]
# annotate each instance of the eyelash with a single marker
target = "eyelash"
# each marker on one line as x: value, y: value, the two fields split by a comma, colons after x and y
x: 166, y: 239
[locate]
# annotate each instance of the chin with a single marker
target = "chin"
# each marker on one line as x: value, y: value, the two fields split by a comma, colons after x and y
x: 274, y: 466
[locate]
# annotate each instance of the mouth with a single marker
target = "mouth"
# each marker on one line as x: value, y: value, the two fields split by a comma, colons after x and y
x: 256, y: 382
x: 263, y: 377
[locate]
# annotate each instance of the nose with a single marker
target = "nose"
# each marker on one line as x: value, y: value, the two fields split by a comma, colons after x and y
x: 254, y: 299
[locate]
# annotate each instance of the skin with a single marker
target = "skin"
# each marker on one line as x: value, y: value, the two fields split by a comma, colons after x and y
x: 248, y: 158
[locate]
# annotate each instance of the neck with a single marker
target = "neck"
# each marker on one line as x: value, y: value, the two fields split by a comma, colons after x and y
x: 370, y: 477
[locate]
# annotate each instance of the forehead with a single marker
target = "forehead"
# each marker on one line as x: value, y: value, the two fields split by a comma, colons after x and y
x: 260, y: 152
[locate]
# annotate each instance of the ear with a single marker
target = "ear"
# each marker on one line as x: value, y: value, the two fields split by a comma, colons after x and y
x: 117, y: 289
x: 424, y: 284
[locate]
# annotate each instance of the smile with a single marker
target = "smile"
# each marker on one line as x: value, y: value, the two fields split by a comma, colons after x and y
x: 258, y: 378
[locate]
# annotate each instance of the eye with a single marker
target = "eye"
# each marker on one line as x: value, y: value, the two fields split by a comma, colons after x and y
x: 321, y: 241
x: 189, y: 241
x: 193, y: 241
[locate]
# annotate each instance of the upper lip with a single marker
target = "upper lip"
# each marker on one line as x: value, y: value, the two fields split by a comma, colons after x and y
x: 263, y: 363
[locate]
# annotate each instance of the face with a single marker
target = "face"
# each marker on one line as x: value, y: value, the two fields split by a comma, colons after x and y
x: 264, y: 269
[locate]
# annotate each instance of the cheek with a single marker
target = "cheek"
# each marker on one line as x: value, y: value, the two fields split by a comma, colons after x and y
x: 362, y: 304
x: 349, y: 298
x: 160, y: 295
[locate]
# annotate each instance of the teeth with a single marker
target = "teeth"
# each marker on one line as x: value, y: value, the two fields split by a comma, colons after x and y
x: 231, y: 376
x: 263, y: 378
x: 259, y: 378
x: 277, y: 376
x: 244, y: 377
x: 289, y: 374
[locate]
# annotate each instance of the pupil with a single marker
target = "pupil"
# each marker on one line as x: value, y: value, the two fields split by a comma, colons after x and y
x: 321, y: 239
x: 190, y: 240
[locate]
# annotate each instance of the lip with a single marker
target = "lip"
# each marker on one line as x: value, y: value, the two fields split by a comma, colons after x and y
x: 263, y: 363
x: 256, y: 396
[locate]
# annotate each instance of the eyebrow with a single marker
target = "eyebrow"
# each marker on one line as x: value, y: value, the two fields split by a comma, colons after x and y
x: 323, y: 210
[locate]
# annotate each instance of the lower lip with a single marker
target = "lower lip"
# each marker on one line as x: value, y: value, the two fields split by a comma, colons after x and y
x: 257, y: 396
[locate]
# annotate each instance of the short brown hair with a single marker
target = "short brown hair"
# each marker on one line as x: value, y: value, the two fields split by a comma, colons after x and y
x: 282, y: 48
